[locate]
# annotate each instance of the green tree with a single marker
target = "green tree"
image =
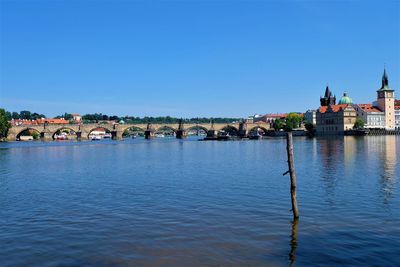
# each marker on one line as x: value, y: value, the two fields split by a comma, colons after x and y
x: 293, y: 121
x: 359, y: 124
x: 25, y: 115
x: 35, y: 116
x: 4, y: 124
x: 15, y: 115
x: 68, y: 116
x: 278, y: 124
x: 8, y: 115
x: 35, y: 135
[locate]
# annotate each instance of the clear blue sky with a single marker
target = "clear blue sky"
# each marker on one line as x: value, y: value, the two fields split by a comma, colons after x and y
x: 193, y: 58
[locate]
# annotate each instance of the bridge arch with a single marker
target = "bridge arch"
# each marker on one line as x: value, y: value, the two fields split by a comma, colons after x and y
x: 106, y: 129
x: 59, y: 130
x: 127, y: 131
x: 165, y: 127
x: 229, y: 129
x: 197, y: 128
x: 258, y: 128
x: 25, y: 130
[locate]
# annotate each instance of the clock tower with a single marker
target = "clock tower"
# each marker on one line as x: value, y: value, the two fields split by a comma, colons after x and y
x: 386, y: 102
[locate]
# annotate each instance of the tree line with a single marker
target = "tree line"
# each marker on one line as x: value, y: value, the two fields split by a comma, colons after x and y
x: 161, y: 119
x: 23, y: 115
x: 96, y: 117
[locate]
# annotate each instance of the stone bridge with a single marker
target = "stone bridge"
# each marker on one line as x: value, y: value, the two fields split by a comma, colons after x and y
x: 82, y: 131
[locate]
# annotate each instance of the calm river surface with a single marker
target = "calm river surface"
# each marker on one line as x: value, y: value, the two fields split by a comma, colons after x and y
x: 188, y: 203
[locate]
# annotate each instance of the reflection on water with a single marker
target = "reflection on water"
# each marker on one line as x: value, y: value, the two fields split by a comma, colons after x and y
x: 330, y: 152
x: 184, y: 202
x: 388, y: 162
x: 293, y: 242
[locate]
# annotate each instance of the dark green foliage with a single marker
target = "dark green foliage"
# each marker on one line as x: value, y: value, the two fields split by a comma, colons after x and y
x: 278, y: 124
x: 98, y: 117
x: 359, y: 124
x: 4, y: 124
x: 25, y: 115
x: 35, y: 135
x: 15, y: 115
x: 8, y: 115
x: 89, y: 118
x: 293, y: 121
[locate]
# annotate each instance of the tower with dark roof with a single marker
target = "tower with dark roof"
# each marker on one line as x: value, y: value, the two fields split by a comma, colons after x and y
x: 386, y: 102
x: 328, y: 99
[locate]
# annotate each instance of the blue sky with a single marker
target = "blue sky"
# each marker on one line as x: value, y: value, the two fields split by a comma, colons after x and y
x: 193, y: 58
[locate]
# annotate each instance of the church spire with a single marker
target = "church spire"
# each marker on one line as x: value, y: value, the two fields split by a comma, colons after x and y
x: 327, y: 91
x: 328, y: 99
x: 385, y: 80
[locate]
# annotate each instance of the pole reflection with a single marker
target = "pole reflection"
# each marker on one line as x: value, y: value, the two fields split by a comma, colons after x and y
x: 293, y: 242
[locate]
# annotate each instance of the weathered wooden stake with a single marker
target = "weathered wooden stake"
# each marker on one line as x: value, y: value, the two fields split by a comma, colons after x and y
x: 291, y: 171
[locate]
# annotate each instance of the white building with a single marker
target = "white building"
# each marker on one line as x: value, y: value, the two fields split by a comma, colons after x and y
x: 397, y: 115
x: 310, y: 116
x: 372, y: 116
x: 76, y: 117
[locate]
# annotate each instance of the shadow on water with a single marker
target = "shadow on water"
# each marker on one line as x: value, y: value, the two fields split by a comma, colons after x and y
x: 293, y: 242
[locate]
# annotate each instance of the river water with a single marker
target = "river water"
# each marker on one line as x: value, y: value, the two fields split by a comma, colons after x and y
x: 170, y: 202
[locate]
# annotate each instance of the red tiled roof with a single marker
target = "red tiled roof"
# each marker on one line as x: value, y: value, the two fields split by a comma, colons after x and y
x: 335, y: 108
x: 52, y: 121
x: 369, y: 108
x: 397, y: 104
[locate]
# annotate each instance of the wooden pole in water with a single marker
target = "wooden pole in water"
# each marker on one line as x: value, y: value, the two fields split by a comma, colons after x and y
x: 291, y: 171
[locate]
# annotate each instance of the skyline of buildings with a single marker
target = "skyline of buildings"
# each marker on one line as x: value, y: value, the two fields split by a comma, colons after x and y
x: 332, y: 118
x: 329, y: 118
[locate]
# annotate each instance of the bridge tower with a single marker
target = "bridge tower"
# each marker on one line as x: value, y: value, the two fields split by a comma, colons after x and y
x: 79, y: 136
x: 116, y: 134
x: 149, y: 133
x: 212, y: 133
x: 242, y: 129
x: 180, y: 133
x: 46, y: 134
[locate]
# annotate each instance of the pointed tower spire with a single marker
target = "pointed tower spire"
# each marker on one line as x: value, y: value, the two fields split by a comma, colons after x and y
x: 327, y: 91
x: 385, y: 80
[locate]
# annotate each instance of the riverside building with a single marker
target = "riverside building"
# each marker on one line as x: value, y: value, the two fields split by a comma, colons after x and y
x: 381, y: 113
x: 384, y: 113
x: 334, y: 119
